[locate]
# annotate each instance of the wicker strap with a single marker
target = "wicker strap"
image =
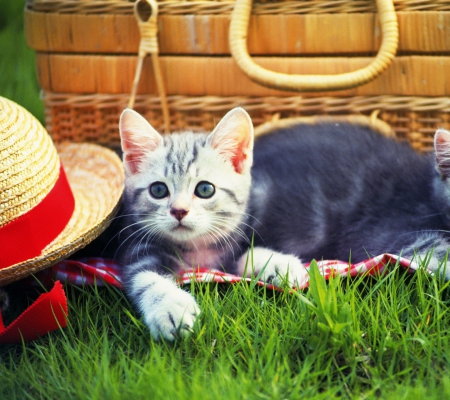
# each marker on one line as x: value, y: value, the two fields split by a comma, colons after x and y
x: 371, y: 121
x: 146, y: 13
x: 238, y: 45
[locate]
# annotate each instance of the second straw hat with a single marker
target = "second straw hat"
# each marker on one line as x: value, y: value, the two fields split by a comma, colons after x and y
x: 53, y: 200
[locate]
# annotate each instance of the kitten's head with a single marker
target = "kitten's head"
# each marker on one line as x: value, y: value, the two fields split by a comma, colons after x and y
x: 188, y: 187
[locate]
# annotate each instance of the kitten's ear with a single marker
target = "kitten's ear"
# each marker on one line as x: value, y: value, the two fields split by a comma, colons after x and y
x: 233, y: 139
x: 138, y: 138
x: 442, y: 149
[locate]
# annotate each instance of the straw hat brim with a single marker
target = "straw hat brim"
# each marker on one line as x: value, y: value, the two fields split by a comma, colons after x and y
x: 96, y: 177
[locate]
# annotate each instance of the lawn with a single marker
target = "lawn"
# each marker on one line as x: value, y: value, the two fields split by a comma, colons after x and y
x: 382, y: 337
x: 18, y: 72
x: 367, y: 337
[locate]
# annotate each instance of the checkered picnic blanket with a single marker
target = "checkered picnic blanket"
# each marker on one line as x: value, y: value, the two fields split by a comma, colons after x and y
x: 50, y: 310
x: 103, y: 271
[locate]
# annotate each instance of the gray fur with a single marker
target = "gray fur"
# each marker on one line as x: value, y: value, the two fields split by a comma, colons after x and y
x: 351, y: 190
x: 324, y: 191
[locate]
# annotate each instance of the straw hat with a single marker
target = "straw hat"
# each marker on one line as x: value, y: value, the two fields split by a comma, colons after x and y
x: 47, y: 212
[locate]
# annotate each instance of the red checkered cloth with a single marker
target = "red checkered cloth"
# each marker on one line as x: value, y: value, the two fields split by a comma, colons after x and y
x: 103, y: 271
x: 49, y: 311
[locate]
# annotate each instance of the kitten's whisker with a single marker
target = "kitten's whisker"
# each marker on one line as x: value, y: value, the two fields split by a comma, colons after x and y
x: 224, y: 237
x: 232, y: 228
x: 137, y: 233
x: 132, y: 244
x: 117, y: 235
x: 248, y: 215
x: 148, y: 237
x: 126, y: 239
x: 430, y: 215
x: 214, y: 238
x: 227, y: 219
x: 195, y: 244
x: 240, y: 234
x: 425, y: 231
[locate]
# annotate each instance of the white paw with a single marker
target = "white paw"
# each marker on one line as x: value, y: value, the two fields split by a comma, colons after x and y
x: 168, y: 311
x: 172, y: 316
x: 273, y: 267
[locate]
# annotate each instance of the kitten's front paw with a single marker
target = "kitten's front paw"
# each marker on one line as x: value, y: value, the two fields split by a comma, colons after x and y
x: 173, y: 316
x: 169, y: 312
x: 273, y: 267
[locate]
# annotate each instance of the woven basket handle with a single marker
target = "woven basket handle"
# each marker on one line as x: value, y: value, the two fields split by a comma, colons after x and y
x: 238, y: 45
x: 146, y: 13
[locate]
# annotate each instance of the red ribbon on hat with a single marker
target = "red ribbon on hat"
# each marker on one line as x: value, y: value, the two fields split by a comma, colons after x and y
x: 25, y: 237
x: 48, y: 313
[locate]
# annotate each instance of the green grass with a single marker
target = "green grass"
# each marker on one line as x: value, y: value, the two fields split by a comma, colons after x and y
x: 367, y: 337
x: 17, y: 62
x: 370, y: 337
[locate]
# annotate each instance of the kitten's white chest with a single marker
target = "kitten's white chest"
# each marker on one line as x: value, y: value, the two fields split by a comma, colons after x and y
x: 208, y: 258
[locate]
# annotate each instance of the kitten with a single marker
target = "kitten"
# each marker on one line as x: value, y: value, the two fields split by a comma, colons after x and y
x: 322, y: 191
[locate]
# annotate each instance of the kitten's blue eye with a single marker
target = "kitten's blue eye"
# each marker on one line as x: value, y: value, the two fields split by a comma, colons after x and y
x: 158, y: 190
x: 205, y: 190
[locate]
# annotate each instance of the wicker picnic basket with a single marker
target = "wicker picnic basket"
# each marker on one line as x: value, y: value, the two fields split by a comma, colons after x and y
x: 304, y: 58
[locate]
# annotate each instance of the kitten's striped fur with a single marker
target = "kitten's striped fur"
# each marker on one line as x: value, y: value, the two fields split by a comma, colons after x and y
x: 321, y: 192
x: 212, y: 232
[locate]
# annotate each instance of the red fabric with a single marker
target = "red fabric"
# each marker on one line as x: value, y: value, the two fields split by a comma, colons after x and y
x: 49, y: 312
x: 327, y: 269
x: 88, y: 271
x: 105, y: 271
x: 25, y: 237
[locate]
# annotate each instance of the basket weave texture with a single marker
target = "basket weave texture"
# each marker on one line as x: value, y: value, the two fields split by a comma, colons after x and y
x: 87, y: 59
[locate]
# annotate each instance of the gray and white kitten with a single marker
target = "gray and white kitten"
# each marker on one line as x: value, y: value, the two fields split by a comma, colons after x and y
x: 323, y: 191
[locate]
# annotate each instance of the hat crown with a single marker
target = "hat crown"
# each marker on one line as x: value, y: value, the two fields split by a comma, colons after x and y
x: 29, y: 163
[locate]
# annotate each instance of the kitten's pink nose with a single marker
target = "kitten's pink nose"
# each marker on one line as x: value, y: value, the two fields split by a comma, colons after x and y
x: 178, y: 214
